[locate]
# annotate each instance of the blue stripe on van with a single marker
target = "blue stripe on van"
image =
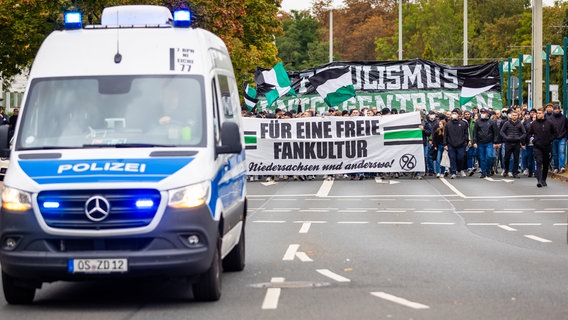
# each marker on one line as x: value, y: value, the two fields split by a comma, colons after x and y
x: 101, y: 170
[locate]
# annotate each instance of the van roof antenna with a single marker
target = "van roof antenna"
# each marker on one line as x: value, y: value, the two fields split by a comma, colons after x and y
x: 117, y: 56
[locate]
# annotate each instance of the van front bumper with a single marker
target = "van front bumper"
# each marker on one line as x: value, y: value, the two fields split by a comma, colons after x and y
x: 164, y: 252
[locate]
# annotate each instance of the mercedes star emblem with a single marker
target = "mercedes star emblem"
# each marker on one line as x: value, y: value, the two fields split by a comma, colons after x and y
x: 97, y: 208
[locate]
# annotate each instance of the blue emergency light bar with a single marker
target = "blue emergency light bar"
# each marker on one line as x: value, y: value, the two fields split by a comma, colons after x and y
x: 182, y: 18
x: 73, y: 20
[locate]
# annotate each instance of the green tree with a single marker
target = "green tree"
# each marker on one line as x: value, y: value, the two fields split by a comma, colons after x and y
x: 300, y: 47
x: 248, y: 28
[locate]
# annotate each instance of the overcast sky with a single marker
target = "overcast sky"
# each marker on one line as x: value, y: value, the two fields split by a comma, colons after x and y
x: 288, y: 5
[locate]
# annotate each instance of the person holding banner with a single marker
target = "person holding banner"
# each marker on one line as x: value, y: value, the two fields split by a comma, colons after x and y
x: 456, y: 138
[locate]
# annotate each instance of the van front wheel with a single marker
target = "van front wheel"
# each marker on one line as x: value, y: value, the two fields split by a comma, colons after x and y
x: 208, y: 287
x: 14, y: 293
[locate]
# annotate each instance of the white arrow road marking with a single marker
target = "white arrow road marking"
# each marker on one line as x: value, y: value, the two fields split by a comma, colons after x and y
x: 504, y: 180
x: 272, y: 295
x: 402, y: 301
x: 324, y: 189
x: 293, y: 252
x: 539, y: 239
x: 383, y: 181
x: 332, y: 275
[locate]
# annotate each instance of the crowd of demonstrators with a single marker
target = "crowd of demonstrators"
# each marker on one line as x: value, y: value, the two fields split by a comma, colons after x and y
x: 511, y: 141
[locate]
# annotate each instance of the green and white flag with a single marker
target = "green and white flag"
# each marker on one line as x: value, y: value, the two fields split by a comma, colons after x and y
x: 274, y: 82
x: 475, y: 86
x: 250, y: 96
x: 334, y: 85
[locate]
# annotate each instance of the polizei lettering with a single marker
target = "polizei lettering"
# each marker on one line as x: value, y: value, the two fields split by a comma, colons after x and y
x: 102, y: 167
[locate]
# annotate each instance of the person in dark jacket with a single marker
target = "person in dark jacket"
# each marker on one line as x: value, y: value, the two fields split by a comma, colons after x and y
x: 438, y: 145
x: 456, y: 138
x: 485, y: 139
x: 527, y: 156
x: 542, y: 132
x: 513, y: 134
x: 559, y: 144
x: 430, y: 125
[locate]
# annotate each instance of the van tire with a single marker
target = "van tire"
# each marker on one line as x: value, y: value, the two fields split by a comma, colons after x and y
x: 15, y: 294
x: 208, y: 286
x: 235, y: 260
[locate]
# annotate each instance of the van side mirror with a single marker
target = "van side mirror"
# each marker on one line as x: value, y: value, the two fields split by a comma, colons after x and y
x: 4, y: 141
x: 230, y: 138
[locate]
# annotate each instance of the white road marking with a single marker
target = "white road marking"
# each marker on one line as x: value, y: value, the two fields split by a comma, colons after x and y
x: 306, y: 225
x: 293, y: 252
x: 483, y: 224
x: 525, y: 224
x: 333, y: 275
x: 268, y: 183
x: 508, y: 211
x: 539, y: 239
x: 470, y: 211
x: 314, y: 210
x: 276, y: 210
x: 352, y: 211
x: 560, y: 224
x: 272, y: 295
x: 454, y: 189
x: 303, y: 257
x: 402, y: 301
x: 550, y: 211
x: 438, y: 223
x: 429, y: 211
x: 391, y: 211
x: 269, y: 221
x: 504, y: 227
x: 395, y: 222
x: 324, y: 189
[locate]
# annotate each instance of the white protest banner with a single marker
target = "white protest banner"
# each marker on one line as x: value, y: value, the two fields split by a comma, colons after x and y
x: 332, y: 145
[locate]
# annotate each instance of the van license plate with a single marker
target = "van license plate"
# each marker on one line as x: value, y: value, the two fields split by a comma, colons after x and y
x: 97, y: 265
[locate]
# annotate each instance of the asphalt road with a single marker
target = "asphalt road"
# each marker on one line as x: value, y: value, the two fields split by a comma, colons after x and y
x: 467, y: 248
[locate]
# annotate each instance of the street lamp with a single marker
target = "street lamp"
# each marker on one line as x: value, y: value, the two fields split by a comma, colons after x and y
x: 331, y: 34
x: 399, y: 29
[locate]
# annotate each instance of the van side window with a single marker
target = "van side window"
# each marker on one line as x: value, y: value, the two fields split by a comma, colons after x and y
x: 216, y: 118
x: 226, y: 96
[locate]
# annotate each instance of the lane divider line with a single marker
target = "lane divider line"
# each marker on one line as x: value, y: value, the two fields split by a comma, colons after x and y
x: 332, y: 275
x: 272, y: 295
x: 401, y: 301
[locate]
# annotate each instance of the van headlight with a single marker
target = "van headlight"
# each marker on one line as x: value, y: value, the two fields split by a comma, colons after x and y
x: 189, y: 197
x: 15, y: 200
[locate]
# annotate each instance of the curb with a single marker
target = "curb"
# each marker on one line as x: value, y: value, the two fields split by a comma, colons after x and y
x: 559, y: 177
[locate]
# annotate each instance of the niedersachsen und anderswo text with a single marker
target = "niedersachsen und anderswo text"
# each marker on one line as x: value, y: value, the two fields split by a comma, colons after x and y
x: 272, y: 167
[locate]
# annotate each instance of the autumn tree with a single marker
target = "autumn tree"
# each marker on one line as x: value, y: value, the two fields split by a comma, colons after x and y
x: 248, y: 27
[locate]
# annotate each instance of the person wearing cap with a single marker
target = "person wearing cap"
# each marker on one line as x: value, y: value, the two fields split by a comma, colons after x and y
x: 542, y: 132
x: 513, y: 133
x: 559, y: 143
x: 485, y: 139
x: 549, y: 107
x: 456, y: 138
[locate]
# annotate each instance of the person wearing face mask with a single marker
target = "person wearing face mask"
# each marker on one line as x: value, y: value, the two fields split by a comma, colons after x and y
x: 559, y: 143
x: 513, y: 133
x: 456, y: 138
x: 485, y: 139
x: 430, y: 125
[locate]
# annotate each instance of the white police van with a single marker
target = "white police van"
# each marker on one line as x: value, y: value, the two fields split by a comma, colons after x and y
x: 127, y: 159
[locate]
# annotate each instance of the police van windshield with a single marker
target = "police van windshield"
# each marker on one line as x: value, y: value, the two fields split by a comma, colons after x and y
x: 113, y: 111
